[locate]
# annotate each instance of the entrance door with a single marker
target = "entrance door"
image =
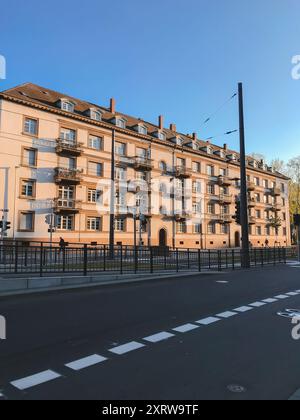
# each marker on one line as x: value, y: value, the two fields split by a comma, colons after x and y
x: 162, y: 238
x: 237, y: 239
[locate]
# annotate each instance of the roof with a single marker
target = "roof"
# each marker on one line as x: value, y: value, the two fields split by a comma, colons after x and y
x: 33, y: 94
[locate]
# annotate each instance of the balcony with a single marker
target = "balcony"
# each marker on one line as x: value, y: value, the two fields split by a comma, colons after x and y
x: 225, y: 199
x: 226, y: 218
x: 251, y: 203
x: 67, y: 147
x: 182, y: 172
x: 275, y: 207
x: 123, y: 161
x: 275, y: 192
x: 68, y: 176
x: 181, y: 215
x: 143, y: 163
x: 224, y: 181
x: 140, y: 213
x: 62, y: 205
x: 251, y: 186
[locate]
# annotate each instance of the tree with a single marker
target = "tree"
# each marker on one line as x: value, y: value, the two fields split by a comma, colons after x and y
x: 279, y: 166
x: 294, y: 173
x: 258, y: 156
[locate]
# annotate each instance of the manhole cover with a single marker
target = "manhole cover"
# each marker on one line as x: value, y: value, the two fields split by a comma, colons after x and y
x: 236, y: 389
x: 290, y: 313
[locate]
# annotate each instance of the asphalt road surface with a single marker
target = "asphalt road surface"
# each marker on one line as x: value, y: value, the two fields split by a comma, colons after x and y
x: 198, y: 338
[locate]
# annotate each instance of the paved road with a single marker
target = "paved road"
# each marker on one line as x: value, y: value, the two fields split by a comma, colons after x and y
x: 127, y: 333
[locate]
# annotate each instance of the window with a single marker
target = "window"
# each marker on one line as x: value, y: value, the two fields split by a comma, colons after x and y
x: 65, y: 222
x: 26, y: 222
x: 224, y: 229
x: 257, y: 197
x: 210, y: 170
x: 181, y: 163
x: 94, y: 223
x: 181, y: 227
x: 266, y: 184
x: 95, y: 169
x: 197, y: 167
x: 258, y: 214
x: 196, y: 187
x: 28, y: 188
x: 94, y: 195
x: 223, y: 172
x: 68, y: 135
x: 266, y: 199
x: 141, y: 153
x: 258, y: 230
x: 120, y: 149
x: 211, y: 228
x: 120, y: 225
x: 163, y: 166
x: 120, y: 174
x: 95, y: 143
x: 121, y: 123
x: 67, y: 163
x: 257, y: 181
x: 211, y: 189
x: 283, y: 202
x: 67, y: 106
x: 197, y: 228
x: 161, y: 136
x: 95, y: 115
x: 121, y: 199
x: 284, y: 217
x: 31, y: 126
x: 29, y: 157
x: 197, y: 208
x: 282, y: 188
x: 143, y: 130
x: 211, y: 209
x: 268, y: 230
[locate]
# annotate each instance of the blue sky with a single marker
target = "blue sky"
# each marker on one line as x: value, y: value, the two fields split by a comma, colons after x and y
x: 180, y: 58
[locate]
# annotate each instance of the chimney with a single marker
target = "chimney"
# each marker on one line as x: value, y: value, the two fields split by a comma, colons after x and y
x: 173, y: 127
x: 225, y: 147
x: 113, y: 106
x: 161, y: 122
x: 195, y: 136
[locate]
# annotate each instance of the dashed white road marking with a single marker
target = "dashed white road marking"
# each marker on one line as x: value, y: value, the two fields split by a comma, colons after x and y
x: 126, y: 348
x: 226, y: 315
x: 243, y: 309
x: 293, y: 294
x: 270, y: 300
x: 281, y: 297
x: 86, y: 362
x: 208, y: 321
x: 257, y: 304
x: 186, y: 328
x: 158, y: 337
x: 34, y: 380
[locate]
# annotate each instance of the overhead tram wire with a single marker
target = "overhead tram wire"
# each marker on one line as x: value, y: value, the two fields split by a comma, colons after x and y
x: 222, y: 134
x: 218, y: 110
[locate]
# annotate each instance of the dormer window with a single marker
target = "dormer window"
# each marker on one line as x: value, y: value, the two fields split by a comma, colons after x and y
x: 179, y: 141
x: 142, y: 129
x: 161, y: 136
x: 67, y: 106
x: 120, y: 122
x: 95, y: 115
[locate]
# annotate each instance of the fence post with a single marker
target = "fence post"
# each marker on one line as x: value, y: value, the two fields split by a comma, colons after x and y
x: 199, y: 260
x: 41, y: 259
x: 262, y: 256
x: 16, y: 257
x: 209, y: 260
x: 255, y: 259
x: 188, y: 255
x: 177, y: 260
x: 226, y: 257
x: 219, y: 260
x: 121, y: 259
x: 274, y: 255
x: 233, y: 261
x: 85, y: 259
x: 151, y: 260
x: 135, y: 259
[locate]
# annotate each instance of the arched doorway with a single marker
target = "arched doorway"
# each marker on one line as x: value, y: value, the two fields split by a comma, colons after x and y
x: 237, y: 239
x: 163, y: 240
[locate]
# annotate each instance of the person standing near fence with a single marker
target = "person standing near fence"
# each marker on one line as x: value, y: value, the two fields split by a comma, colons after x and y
x: 62, y: 245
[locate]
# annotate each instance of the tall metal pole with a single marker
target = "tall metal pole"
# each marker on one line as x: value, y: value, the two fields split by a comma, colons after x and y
x: 244, y: 191
x: 112, y: 198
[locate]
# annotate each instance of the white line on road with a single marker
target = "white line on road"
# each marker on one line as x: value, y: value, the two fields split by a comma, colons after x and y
x: 186, y: 328
x: 226, y: 315
x: 126, y: 348
x: 281, y: 297
x: 293, y: 294
x: 86, y: 362
x: 208, y: 321
x: 257, y: 304
x: 34, y: 380
x: 270, y: 300
x: 243, y: 309
x: 158, y: 337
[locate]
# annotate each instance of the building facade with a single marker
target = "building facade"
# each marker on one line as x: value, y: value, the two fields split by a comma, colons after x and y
x: 94, y: 168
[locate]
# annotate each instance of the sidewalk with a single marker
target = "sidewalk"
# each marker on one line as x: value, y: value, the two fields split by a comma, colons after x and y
x: 27, y: 285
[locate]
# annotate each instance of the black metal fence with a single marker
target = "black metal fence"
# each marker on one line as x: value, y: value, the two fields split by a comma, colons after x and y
x: 44, y: 259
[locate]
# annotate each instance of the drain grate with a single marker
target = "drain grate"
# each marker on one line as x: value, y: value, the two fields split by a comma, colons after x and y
x: 236, y: 389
